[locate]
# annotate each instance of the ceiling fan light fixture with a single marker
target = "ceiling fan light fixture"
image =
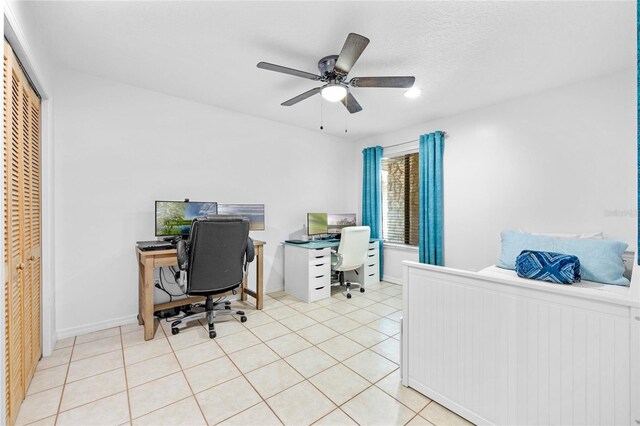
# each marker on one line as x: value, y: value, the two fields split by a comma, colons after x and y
x: 334, y: 92
x: 414, y: 92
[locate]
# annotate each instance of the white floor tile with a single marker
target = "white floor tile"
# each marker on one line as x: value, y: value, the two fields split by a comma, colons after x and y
x: 253, y: 357
x: 98, y: 364
x: 270, y: 331
x: 339, y: 383
x: 259, y: 414
x: 287, y: 405
x: 409, y: 397
x: 288, y: 344
x: 310, y: 361
x: 152, y: 369
x: 38, y: 406
x: 211, y: 373
x: 93, y: 388
x: 157, y: 394
x: 374, y: 407
x: 273, y: 378
x: 226, y: 400
x: 47, y: 379
x: 112, y: 410
x: 317, y: 333
x: 185, y: 412
x: 438, y: 415
x: 370, y: 365
x: 199, y: 354
x: 336, y: 418
x: 341, y: 348
x: 237, y: 341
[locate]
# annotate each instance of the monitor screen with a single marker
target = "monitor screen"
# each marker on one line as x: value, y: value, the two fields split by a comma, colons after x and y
x: 174, y: 217
x: 253, y: 212
x: 337, y: 221
x: 316, y: 223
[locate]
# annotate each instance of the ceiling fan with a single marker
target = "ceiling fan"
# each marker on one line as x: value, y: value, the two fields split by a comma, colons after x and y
x: 333, y: 72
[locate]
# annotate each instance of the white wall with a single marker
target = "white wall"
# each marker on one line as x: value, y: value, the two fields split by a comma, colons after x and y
x: 119, y: 148
x: 557, y: 161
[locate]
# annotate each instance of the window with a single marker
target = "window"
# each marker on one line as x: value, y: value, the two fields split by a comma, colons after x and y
x: 400, y: 202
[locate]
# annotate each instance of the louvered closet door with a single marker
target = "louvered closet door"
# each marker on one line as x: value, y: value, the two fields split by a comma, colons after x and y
x: 22, y: 231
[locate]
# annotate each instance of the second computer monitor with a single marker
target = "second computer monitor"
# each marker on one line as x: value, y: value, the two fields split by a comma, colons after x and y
x: 316, y: 223
x: 337, y: 221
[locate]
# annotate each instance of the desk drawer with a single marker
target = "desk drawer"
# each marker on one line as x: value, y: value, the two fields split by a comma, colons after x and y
x: 373, y: 246
x: 325, y: 260
x: 371, y: 258
x: 371, y: 277
x: 371, y: 267
x: 319, y: 289
x: 319, y: 253
x: 319, y: 272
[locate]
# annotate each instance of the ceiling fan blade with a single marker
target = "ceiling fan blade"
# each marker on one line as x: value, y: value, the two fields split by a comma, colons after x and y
x: 286, y: 70
x: 398, y: 82
x: 352, y: 105
x: 351, y: 51
x: 301, y: 97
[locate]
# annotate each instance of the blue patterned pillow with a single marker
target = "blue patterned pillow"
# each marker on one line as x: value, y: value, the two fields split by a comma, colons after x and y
x: 547, y: 266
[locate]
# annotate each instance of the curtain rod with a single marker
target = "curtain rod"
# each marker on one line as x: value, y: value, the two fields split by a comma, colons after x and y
x: 444, y: 134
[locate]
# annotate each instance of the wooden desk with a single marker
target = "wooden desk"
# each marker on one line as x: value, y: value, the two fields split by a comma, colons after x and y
x: 149, y: 260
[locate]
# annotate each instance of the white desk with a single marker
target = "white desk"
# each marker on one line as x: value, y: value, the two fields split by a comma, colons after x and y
x: 307, y: 269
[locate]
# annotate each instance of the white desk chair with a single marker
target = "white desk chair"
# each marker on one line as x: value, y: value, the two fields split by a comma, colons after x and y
x: 351, y: 254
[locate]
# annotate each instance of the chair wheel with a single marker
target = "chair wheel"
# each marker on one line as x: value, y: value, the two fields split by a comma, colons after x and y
x: 227, y: 307
x: 361, y: 290
x: 212, y: 334
x: 243, y: 319
x: 348, y: 295
x: 175, y: 331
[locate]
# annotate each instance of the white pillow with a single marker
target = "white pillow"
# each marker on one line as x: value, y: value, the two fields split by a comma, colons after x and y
x: 589, y: 235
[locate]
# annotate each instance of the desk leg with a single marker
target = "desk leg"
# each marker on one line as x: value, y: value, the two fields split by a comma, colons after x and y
x: 259, y: 278
x: 140, y: 291
x: 147, y: 305
x: 243, y: 293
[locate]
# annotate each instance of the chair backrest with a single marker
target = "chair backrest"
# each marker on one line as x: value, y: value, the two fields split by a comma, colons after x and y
x: 354, y: 245
x: 217, y: 248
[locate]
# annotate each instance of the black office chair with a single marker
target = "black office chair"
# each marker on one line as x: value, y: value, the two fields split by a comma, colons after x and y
x: 215, y: 260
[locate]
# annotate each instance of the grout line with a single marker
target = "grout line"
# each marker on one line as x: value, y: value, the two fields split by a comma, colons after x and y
x: 64, y: 384
x: 126, y: 380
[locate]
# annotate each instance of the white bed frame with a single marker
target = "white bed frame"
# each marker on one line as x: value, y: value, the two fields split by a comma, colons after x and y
x: 512, y: 352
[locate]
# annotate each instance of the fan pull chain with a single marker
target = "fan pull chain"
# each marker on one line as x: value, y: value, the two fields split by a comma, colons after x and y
x: 321, y: 118
x: 346, y: 117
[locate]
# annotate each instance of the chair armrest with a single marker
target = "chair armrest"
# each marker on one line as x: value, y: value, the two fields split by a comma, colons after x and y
x: 183, y: 255
x: 338, y: 257
x: 250, y: 252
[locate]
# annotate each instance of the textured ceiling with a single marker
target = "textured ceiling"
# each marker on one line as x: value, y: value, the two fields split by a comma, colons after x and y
x: 464, y: 54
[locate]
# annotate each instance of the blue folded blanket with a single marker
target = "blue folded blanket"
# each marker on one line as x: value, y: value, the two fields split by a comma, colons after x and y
x: 547, y: 266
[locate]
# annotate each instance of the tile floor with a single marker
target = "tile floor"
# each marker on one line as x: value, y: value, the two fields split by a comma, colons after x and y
x: 333, y: 362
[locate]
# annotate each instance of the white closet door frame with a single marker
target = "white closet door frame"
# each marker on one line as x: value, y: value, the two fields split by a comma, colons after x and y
x: 16, y: 37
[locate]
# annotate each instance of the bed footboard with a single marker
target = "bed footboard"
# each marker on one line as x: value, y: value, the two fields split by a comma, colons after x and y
x: 497, y: 353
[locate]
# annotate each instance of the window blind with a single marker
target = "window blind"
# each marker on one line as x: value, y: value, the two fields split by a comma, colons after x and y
x: 400, y: 199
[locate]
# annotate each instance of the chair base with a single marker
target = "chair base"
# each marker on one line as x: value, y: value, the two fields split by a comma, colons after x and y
x: 210, y: 312
x: 347, y: 285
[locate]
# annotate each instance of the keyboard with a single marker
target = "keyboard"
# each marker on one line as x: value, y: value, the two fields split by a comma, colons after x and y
x: 154, y: 245
x: 296, y: 241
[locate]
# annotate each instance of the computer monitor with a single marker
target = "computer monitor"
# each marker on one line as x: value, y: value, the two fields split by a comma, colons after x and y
x: 253, y: 212
x: 174, y: 217
x: 337, y: 221
x: 316, y: 223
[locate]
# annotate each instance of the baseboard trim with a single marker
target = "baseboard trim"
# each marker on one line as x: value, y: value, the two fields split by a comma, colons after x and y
x: 96, y: 326
x: 392, y: 280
